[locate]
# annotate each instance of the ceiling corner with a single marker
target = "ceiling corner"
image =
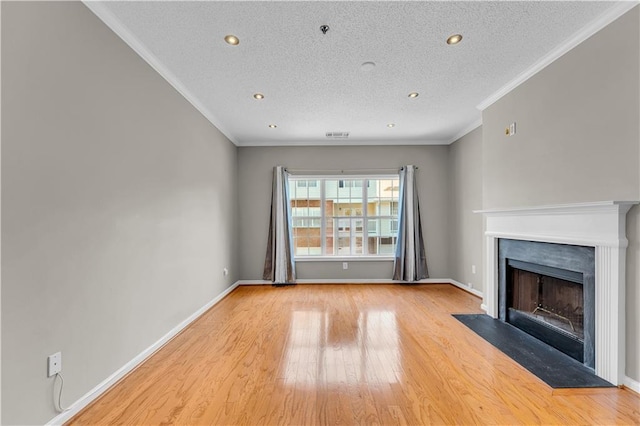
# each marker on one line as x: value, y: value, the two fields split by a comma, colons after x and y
x: 466, y: 130
x: 617, y: 10
x: 111, y: 21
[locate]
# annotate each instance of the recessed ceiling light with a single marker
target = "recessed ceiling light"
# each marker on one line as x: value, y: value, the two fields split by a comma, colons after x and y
x: 258, y: 96
x: 413, y: 94
x: 454, y: 39
x: 232, y: 40
x: 391, y: 125
x: 272, y: 126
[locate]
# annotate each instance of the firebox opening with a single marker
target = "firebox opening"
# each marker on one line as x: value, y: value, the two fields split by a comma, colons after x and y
x: 548, y: 303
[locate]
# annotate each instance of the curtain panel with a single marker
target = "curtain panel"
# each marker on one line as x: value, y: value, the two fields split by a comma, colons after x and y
x: 279, y: 266
x: 410, y: 261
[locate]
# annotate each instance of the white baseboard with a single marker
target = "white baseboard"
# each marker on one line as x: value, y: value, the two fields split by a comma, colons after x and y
x: 253, y: 282
x: 94, y: 393
x: 483, y: 307
x: 350, y: 281
x: 467, y: 288
x: 631, y: 384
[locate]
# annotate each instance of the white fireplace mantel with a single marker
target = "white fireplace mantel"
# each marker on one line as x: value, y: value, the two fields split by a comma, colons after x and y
x: 601, y: 225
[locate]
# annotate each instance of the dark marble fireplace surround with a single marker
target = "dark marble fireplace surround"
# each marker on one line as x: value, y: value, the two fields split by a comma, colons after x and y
x: 567, y: 262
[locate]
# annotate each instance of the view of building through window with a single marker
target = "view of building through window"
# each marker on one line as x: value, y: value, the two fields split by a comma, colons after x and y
x: 344, y: 217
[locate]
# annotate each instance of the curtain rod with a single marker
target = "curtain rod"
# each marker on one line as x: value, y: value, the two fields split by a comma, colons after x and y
x: 343, y: 171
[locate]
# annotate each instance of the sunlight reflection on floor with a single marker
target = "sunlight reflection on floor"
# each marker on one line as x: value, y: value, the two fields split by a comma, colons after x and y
x: 362, y: 351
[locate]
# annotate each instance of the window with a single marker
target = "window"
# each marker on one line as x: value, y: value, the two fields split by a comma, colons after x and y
x: 300, y: 215
x: 350, y: 184
x: 344, y: 217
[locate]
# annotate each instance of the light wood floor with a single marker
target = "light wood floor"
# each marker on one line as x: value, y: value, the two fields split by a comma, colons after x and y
x: 344, y: 354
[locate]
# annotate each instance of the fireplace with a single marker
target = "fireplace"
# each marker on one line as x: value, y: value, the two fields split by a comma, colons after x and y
x: 547, y: 290
x: 596, y: 227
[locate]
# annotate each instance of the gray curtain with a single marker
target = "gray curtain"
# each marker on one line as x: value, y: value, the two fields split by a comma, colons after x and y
x: 410, y: 262
x: 279, y: 267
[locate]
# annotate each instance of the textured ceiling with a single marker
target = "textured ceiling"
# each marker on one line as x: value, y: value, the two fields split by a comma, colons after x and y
x: 315, y: 83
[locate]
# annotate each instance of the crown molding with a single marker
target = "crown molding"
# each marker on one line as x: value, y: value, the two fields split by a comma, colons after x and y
x: 345, y: 142
x: 466, y: 130
x: 613, y: 13
x: 98, y: 8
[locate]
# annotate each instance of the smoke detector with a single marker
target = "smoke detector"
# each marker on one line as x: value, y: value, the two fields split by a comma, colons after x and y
x: 337, y: 135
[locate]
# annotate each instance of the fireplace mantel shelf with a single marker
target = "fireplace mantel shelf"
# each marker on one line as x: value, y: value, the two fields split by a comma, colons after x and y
x: 557, y: 208
x: 597, y: 224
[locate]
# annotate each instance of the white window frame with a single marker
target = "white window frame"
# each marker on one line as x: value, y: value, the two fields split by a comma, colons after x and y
x: 293, y: 179
x: 298, y: 183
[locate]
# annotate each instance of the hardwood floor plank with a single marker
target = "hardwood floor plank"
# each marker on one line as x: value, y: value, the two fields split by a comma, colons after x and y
x: 344, y: 354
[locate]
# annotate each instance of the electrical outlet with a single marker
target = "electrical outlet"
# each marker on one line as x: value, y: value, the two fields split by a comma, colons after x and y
x: 473, y: 269
x: 54, y: 364
x: 225, y: 272
x: 512, y: 129
x: 345, y: 265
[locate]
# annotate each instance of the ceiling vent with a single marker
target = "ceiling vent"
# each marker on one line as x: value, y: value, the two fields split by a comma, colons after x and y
x: 338, y: 135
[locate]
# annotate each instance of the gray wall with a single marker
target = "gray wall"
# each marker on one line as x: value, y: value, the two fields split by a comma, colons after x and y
x: 577, y: 140
x: 120, y: 200
x: 119, y: 205
x: 255, y: 166
x: 577, y: 132
x: 0, y: 231
x: 633, y: 275
x: 465, y: 177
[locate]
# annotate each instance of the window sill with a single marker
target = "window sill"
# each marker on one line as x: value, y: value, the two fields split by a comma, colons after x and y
x: 344, y: 258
